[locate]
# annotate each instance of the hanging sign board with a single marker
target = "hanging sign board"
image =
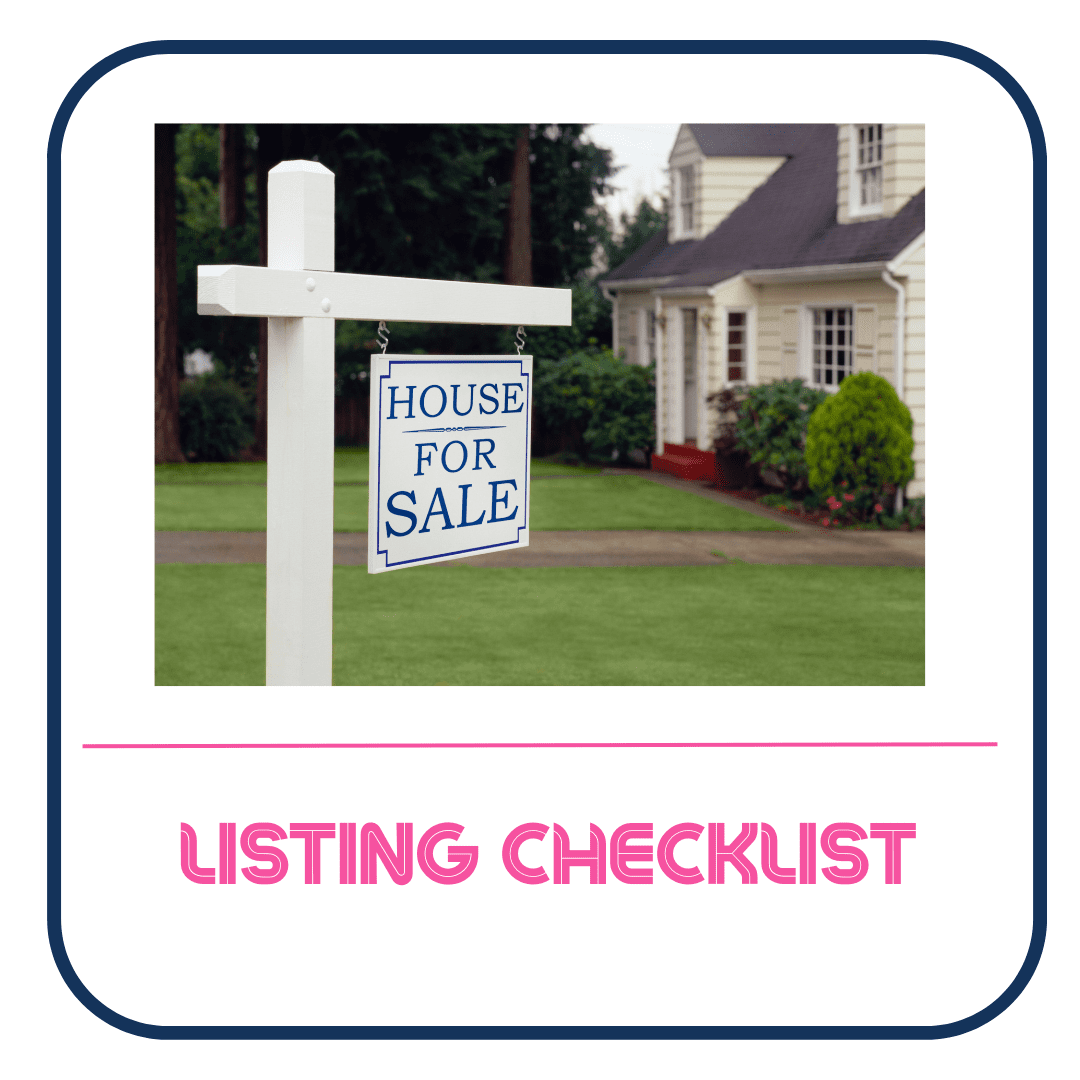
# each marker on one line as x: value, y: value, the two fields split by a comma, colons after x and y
x: 450, y: 444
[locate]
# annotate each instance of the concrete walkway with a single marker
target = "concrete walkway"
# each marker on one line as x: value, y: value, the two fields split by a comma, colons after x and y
x: 615, y: 548
x: 804, y: 545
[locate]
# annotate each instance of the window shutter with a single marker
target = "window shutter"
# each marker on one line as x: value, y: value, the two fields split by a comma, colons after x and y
x: 865, y: 337
x: 789, y: 342
x: 789, y: 328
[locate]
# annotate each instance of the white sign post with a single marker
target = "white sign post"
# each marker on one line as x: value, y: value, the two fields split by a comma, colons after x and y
x: 301, y: 296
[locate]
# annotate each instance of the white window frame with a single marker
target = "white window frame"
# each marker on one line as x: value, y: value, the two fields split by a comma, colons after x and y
x: 749, y: 329
x: 857, y: 169
x: 806, y: 342
x: 682, y: 201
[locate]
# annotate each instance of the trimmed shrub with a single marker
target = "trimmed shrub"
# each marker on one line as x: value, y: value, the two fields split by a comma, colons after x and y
x: 216, y: 418
x: 592, y: 404
x: 771, y: 426
x: 859, y: 441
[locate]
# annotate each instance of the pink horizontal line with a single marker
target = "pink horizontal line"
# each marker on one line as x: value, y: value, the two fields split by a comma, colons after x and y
x: 521, y: 745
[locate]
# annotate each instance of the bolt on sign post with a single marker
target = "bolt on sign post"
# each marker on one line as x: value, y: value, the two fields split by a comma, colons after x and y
x: 469, y: 496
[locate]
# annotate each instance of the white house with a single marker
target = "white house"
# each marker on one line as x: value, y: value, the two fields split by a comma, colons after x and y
x: 791, y: 250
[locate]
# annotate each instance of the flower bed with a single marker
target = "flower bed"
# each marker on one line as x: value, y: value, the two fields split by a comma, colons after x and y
x: 832, y: 513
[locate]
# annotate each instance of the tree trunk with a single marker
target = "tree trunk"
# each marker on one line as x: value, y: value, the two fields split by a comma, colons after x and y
x: 518, y: 268
x: 231, y: 175
x: 167, y: 359
x: 268, y: 155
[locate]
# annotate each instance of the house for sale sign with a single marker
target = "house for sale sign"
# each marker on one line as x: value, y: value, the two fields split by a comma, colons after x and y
x: 450, y: 445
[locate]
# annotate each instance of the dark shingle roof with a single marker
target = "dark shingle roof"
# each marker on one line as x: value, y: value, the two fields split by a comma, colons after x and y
x: 752, y: 140
x: 789, y: 221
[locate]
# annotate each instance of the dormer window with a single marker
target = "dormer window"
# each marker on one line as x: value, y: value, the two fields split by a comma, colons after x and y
x: 686, y: 200
x: 866, y: 155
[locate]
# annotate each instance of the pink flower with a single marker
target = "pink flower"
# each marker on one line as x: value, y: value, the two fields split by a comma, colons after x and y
x: 825, y: 522
x: 849, y: 498
x: 878, y: 508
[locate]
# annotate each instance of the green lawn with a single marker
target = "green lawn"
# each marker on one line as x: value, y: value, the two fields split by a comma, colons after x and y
x: 632, y: 502
x: 583, y: 500
x: 733, y: 624
x: 214, y: 472
x: 350, y: 467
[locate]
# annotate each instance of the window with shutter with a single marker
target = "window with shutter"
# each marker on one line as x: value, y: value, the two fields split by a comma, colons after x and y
x: 832, y: 350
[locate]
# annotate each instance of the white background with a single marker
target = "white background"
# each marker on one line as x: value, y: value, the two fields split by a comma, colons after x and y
x: 978, y: 241
x: 940, y: 950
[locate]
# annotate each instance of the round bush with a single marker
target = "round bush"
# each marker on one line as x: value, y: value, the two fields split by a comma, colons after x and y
x: 860, y: 438
x: 215, y: 419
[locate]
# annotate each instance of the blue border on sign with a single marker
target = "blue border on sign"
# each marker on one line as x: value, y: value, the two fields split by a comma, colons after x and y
x: 1039, y: 582
x: 443, y: 362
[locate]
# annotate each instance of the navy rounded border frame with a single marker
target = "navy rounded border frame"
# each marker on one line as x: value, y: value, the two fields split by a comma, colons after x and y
x: 1039, y: 583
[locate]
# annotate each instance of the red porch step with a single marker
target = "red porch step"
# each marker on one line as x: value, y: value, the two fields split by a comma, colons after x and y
x: 686, y: 462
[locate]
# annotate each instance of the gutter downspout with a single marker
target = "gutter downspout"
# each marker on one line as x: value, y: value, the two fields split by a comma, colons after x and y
x: 658, y: 308
x: 898, y: 349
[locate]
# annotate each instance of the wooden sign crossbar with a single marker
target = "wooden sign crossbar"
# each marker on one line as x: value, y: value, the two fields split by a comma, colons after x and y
x: 301, y: 296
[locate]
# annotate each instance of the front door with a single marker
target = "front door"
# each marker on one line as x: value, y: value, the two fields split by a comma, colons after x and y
x: 690, y: 375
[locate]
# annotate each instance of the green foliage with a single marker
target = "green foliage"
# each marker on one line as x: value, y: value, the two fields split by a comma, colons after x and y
x: 201, y: 239
x: 771, y: 427
x: 216, y: 418
x: 354, y: 342
x: 197, y: 149
x: 567, y: 174
x: 413, y: 200
x: 633, y: 232
x: 859, y: 443
x: 588, y: 308
x: 592, y: 403
x: 861, y: 508
x: 912, y: 516
x: 431, y: 200
x: 852, y: 506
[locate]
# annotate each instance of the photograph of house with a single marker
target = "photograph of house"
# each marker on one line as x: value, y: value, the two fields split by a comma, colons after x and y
x: 792, y: 250
x: 781, y: 251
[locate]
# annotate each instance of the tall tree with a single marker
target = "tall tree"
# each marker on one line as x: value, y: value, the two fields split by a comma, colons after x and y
x: 567, y: 176
x: 413, y: 200
x: 201, y: 239
x: 167, y: 356
x: 231, y: 175
x: 518, y: 266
